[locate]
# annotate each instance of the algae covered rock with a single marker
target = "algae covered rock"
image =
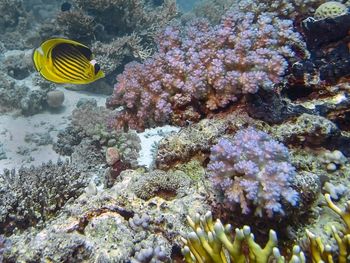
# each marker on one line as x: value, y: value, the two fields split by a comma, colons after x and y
x: 194, y: 141
x: 307, y: 129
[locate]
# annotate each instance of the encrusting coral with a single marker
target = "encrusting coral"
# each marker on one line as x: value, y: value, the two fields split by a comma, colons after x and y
x: 212, y: 243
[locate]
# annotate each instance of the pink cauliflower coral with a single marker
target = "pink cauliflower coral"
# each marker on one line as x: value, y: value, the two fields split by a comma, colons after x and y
x: 199, y: 69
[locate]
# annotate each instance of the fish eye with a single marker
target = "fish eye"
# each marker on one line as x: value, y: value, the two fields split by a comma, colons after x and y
x: 97, y: 68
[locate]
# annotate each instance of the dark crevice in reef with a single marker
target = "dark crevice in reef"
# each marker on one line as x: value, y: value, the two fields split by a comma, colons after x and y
x: 271, y: 108
x: 84, y: 221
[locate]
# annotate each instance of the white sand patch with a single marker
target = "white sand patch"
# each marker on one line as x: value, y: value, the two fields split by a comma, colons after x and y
x: 14, y: 128
x: 149, y: 138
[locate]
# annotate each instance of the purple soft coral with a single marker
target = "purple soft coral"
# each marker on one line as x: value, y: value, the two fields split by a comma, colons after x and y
x: 200, y: 68
x: 253, y: 170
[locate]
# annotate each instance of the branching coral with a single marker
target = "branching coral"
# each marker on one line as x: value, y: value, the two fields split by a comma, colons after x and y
x: 212, y: 9
x: 123, y: 29
x: 254, y: 171
x: 200, y: 69
x: 92, y: 120
x: 111, y: 55
x: 76, y: 23
x: 119, y: 17
x: 212, y: 242
x: 32, y: 195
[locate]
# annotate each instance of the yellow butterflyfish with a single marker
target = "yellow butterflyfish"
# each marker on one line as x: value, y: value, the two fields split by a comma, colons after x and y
x: 66, y: 61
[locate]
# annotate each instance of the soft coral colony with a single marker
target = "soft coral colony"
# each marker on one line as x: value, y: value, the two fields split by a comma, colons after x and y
x: 253, y: 170
x: 200, y: 69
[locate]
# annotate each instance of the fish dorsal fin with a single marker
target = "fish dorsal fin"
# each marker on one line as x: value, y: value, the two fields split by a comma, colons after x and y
x: 51, y: 43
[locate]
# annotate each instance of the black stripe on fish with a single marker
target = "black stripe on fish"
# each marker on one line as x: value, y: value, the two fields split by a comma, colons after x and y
x: 75, y: 66
x: 63, y: 71
x: 72, y: 70
x: 79, y: 58
x: 72, y: 57
x: 65, y: 49
x: 84, y: 53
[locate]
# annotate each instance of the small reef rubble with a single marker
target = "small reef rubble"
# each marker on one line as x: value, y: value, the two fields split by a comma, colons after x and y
x: 260, y: 95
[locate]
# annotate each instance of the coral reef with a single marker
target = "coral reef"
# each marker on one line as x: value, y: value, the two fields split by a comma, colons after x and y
x: 30, y: 196
x: 243, y: 86
x: 87, y: 156
x: 118, y: 30
x: 38, y: 138
x: 20, y: 97
x: 91, y: 120
x: 190, y: 143
x: 200, y: 69
x: 307, y: 130
x: 2, y: 241
x: 13, y: 11
x: 212, y: 10
x: 19, y: 91
x: 253, y: 171
x: 127, y: 16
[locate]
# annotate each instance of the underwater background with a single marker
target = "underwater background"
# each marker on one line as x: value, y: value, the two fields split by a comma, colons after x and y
x: 220, y: 132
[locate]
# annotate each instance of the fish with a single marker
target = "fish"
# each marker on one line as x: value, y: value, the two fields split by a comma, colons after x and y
x: 66, y: 6
x: 66, y: 61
